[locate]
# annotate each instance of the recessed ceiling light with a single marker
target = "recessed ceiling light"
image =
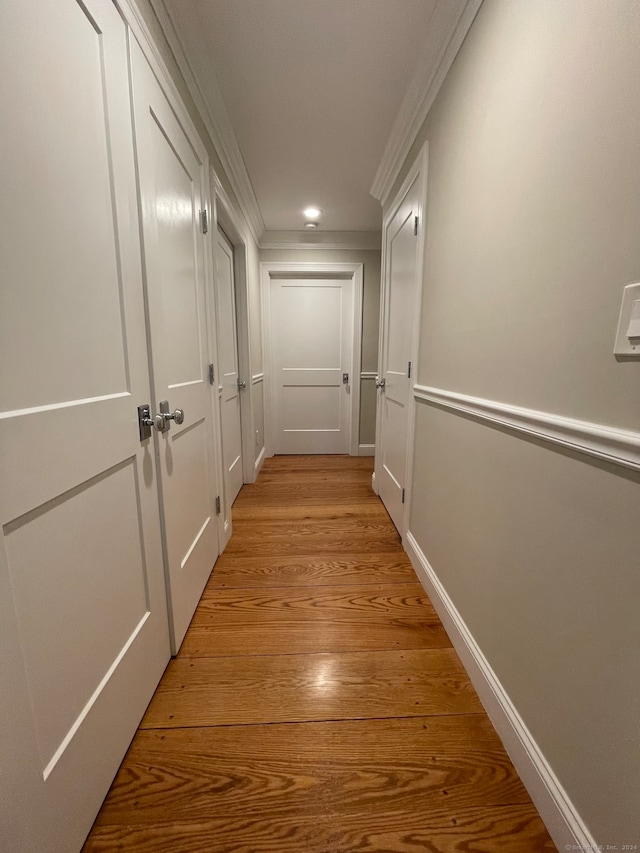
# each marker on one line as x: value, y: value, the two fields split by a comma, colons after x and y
x: 311, y: 225
x: 312, y: 212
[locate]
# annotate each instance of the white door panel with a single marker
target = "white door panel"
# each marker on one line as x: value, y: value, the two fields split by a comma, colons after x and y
x: 171, y: 179
x: 312, y: 340
x: 227, y: 336
x: 83, y: 619
x: 399, y: 311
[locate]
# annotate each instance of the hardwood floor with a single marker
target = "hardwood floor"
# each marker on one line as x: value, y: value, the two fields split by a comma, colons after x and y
x: 316, y: 705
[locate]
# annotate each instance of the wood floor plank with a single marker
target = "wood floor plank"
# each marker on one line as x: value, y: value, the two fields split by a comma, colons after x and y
x: 497, y: 829
x: 340, y: 465
x: 295, y: 494
x: 317, y: 528
x: 285, y: 544
x: 314, y: 768
x: 374, y: 601
x: 295, y: 688
x: 311, y: 570
x: 330, y: 619
x: 346, y: 635
x: 368, y: 508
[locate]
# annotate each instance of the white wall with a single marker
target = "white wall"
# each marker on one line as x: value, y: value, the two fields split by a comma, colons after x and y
x: 370, y: 316
x: 532, y: 231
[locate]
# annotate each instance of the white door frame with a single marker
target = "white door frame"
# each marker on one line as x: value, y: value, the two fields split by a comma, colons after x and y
x: 418, y: 169
x: 275, y: 269
x: 225, y: 216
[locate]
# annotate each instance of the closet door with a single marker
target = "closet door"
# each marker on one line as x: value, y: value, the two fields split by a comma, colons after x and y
x: 172, y: 179
x: 83, y: 623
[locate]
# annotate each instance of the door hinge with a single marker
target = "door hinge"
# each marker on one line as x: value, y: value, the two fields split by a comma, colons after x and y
x: 403, y: 496
x: 212, y: 375
x: 218, y: 509
x: 409, y: 371
x: 204, y: 221
x: 415, y: 226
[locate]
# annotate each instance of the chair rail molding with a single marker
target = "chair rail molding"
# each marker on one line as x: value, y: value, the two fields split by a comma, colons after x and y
x: 620, y: 447
x: 450, y: 23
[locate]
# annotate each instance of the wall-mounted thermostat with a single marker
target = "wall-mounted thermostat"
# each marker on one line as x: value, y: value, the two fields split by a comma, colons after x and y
x: 628, y: 335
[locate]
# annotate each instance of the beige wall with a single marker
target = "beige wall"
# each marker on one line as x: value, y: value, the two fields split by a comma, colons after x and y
x: 370, y: 315
x: 533, y: 229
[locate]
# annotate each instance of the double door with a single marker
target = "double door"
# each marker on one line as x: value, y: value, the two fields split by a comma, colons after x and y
x: 97, y: 317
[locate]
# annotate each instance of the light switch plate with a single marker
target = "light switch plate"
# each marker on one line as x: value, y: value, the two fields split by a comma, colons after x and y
x: 623, y: 345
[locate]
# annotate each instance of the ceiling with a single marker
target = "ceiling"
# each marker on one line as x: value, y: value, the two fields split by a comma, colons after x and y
x: 311, y: 90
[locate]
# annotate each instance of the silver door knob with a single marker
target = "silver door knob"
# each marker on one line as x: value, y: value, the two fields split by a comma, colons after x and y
x: 157, y: 421
x: 241, y: 384
x: 177, y: 416
x: 380, y: 383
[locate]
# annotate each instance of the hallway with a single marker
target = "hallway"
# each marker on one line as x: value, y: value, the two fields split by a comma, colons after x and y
x: 316, y: 703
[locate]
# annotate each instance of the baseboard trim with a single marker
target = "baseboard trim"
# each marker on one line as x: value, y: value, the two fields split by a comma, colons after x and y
x: 620, y: 447
x: 366, y: 450
x: 259, y: 461
x: 561, y: 818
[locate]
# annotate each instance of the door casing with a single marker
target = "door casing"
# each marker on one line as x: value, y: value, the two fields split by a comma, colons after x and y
x: 225, y: 216
x: 231, y: 386
x: 418, y: 170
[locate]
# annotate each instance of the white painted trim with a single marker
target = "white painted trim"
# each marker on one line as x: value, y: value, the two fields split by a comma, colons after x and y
x: 374, y: 485
x: 368, y: 374
x: 450, y: 23
x: 337, y: 240
x: 560, y: 816
x: 366, y: 450
x: 256, y: 378
x: 272, y: 269
x: 217, y: 123
x: 419, y: 170
x: 259, y: 461
x: 620, y: 447
x: 225, y: 215
x: 356, y: 359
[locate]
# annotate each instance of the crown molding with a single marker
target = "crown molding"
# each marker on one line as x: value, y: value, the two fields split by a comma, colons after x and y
x: 219, y: 128
x: 354, y: 240
x: 449, y: 24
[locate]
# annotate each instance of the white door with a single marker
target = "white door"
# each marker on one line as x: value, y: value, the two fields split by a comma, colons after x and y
x: 172, y: 178
x: 399, y: 309
x: 83, y: 622
x: 228, y: 376
x: 312, y: 344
